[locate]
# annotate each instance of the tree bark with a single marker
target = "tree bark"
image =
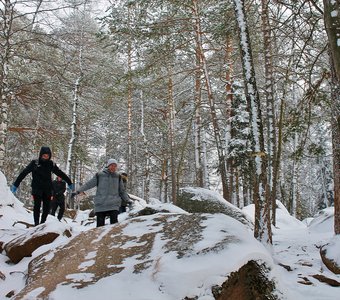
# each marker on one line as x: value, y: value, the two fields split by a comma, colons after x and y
x: 229, y: 114
x: 335, y: 94
x: 4, y: 88
x: 261, y: 191
x: 197, y: 122
x: 130, y: 170
x: 146, y: 179
x: 269, y: 95
x: 332, y: 23
x: 171, y: 110
x: 217, y: 131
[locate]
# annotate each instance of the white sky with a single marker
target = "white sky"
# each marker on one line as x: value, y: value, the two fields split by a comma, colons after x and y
x: 294, y: 244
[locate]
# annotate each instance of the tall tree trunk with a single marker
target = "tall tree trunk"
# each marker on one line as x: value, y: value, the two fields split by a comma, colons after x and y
x: 336, y: 150
x: 204, y: 161
x: 4, y: 88
x: 75, y: 102
x: 261, y: 192
x: 146, y: 177
x: 269, y: 94
x: 171, y: 109
x: 130, y: 170
x: 217, y: 131
x: 164, y: 180
x: 71, y: 169
x: 197, y: 122
x: 76, y: 94
x: 229, y: 101
x: 277, y: 160
x: 332, y: 23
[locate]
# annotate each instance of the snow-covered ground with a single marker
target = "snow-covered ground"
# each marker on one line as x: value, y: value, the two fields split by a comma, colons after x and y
x: 295, y: 247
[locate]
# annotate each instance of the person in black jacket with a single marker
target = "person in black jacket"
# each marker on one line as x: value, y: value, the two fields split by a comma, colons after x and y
x: 58, y: 197
x: 41, y: 169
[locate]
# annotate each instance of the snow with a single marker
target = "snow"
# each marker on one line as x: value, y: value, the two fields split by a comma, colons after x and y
x: 294, y: 244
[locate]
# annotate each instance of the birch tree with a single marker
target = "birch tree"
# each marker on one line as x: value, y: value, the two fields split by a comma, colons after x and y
x: 273, y: 165
x: 261, y: 199
x: 76, y: 95
x: 7, y: 15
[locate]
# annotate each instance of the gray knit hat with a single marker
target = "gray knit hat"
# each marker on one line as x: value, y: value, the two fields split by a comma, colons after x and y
x: 111, y: 161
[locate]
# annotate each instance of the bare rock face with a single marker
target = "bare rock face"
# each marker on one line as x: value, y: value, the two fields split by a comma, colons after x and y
x: 329, y: 263
x: 156, y: 251
x: 24, y: 244
x: 205, y: 201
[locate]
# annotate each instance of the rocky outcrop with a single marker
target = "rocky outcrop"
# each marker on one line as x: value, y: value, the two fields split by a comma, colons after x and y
x: 24, y: 244
x: 329, y: 263
x: 152, y: 250
x: 199, y: 200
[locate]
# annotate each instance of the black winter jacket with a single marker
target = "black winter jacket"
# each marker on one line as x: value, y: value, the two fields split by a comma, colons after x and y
x: 59, y: 187
x: 41, y: 174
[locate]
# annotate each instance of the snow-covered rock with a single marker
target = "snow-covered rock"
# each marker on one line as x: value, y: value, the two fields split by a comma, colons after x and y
x: 323, y: 221
x: 330, y: 254
x: 146, y: 258
x: 283, y: 218
x: 24, y: 244
x: 200, y: 200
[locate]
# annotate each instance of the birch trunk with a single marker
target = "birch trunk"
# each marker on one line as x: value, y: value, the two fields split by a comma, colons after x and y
x: 70, y: 168
x: 277, y: 161
x: 205, y: 161
x: 332, y: 23
x: 171, y: 109
x: 164, y: 181
x: 73, y: 125
x: 217, y: 131
x: 4, y: 88
x: 75, y: 103
x: 146, y: 178
x: 269, y: 95
x: 129, y: 110
x: 197, y: 123
x: 261, y: 197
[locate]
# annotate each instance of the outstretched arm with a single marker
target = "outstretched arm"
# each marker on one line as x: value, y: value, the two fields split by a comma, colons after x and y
x: 88, y: 185
x: 28, y: 169
x: 61, y: 174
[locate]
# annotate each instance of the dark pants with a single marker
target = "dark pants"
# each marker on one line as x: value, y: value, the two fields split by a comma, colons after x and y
x: 58, y: 201
x: 113, y: 214
x: 45, y: 198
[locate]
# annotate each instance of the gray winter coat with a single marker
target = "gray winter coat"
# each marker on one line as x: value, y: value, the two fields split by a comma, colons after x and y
x: 110, y: 191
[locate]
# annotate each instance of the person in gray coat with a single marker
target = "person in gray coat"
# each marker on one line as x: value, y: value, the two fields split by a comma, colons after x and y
x: 109, y: 195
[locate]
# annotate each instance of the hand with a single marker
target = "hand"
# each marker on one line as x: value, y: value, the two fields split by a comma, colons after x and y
x: 130, y: 204
x: 70, y: 187
x: 13, y: 189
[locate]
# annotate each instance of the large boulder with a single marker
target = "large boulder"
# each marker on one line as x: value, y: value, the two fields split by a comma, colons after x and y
x: 163, y: 256
x: 330, y: 255
x: 24, y: 244
x: 199, y: 200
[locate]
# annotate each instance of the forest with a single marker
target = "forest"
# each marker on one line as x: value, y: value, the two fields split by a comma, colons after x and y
x: 240, y: 97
